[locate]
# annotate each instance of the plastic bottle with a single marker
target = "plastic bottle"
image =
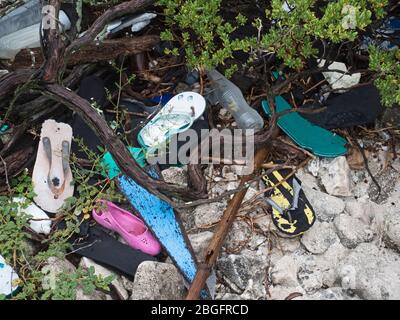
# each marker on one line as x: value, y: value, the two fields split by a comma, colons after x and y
x: 231, y: 98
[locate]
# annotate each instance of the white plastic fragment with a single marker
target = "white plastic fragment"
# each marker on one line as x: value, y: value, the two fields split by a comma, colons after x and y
x: 339, y: 80
x: 40, y: 221
x: 137, y: 23
x: 26, y: 38
x: 8, y: 279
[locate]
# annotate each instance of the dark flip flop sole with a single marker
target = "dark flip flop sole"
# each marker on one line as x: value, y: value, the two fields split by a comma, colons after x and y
x: 299, y: 220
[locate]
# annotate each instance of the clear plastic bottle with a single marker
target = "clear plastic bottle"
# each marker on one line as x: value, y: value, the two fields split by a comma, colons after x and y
x: 231, y: 98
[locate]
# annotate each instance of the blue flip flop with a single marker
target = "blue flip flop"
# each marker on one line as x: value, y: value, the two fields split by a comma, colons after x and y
x: 160, y: 218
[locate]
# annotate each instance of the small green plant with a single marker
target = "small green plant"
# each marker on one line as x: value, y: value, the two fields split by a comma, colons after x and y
x: 14, y: 237
x: 292, y: 34
x: 13, y: 225
x: 67, y: 284
x: 205, y: 36
x: 387, y: 65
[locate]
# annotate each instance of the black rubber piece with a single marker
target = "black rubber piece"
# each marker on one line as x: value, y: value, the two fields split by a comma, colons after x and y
x: 359, y: 106
x: 107, y: 251
x: 92, y: 89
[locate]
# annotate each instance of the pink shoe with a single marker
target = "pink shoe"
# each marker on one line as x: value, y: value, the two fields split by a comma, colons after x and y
x: 131, y: 228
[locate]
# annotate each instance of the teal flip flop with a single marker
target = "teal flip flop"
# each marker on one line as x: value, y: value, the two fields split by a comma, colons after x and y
x: 110, y: 167
x: 319, y: 141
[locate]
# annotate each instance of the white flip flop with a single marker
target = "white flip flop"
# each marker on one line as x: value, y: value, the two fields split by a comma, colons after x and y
x: 176, y: 116
x: 191, y: 103
x: 52, y: 176
x: 40, y: 222
x: 9, y: 279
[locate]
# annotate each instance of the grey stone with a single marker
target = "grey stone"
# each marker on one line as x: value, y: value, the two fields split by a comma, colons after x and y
x: 285, y: 272
x: 310, y: 275
x: 96, y: 295
x: 104, y: 272
x: 239, y: 269
x: 200, y: 242
x: 335, y: 293
x: 238, y: 236
x: 326, y: 207
x: 372, y: 273
x: 53, y: 267
x: 282, y: 292
x: 352, y: 231
x: 289, y: 245
x: 208, y: 214
x: 363, y: 209
x: 175, y: 175
x: 392, y: 230
x: 157, y: 281
x: 264, y: 222
x: 336, y: 177
x: 319, y: 238
x: 307, y: 179
x: 328, y: 263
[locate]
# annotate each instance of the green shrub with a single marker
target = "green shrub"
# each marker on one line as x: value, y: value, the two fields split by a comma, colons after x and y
x: 205, y: 36
x: 207, y: 42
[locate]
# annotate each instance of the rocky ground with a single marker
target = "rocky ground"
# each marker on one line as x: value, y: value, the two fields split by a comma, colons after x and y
x: 351, y: 252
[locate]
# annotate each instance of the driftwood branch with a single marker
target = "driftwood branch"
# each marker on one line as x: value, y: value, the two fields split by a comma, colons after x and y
x: 13, y: 80
x: 96, y: 52
x: 111, y: 49
x: 54, y: 48
x: 111, y: 14
x: 221, y: 232
x: 114, y: 145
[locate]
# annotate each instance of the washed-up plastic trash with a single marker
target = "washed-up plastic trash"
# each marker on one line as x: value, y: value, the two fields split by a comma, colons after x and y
x: 24, y: 16
x: 130, y: 102
x: 20, y: 29
x: 3, y: 127
x: 9, y: 280
x: 339, y: 80
x: 387, y: 37
x: 231, y: 98
x: 175, y: 117
x: 163, y: 99
x: 136, y: 23
x: 40, y: 221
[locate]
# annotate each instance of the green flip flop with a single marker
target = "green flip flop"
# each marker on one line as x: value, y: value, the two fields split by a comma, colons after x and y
x: 319, y: 141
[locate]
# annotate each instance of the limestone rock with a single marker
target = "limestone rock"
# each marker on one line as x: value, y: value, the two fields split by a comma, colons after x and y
x: 53, y: 267
x: 336, y: 178
x: 104, y: 272
x: 157, y: 281
x: 319, y: 238
x: 352, y: 231
x: 239, y: 269
x: 362, y: 209
x: 285, y: 272
x: 175, y: 175
x: 372, y: 273
x: 335, y: 293
x: 282, y: 292
x: 392, y: 230
x: 208, y: 214
x: 310, y: 275
x: 326, y: 207
x: 238, y: 235
x: 200, y: 242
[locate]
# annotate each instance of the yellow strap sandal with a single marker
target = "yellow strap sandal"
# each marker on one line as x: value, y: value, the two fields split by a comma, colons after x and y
x: 292, y: 213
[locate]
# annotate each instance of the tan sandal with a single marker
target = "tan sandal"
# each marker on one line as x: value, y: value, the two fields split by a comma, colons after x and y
x: 52, y: 176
